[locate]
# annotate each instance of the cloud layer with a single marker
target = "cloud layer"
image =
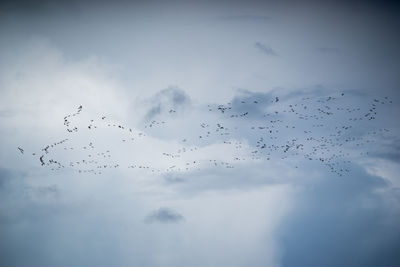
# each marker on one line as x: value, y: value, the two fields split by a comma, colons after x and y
x: 139, y: 65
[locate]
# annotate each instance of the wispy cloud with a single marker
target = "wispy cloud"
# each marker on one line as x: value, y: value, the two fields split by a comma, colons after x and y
x: 266, y: 49
x: 164, y: 215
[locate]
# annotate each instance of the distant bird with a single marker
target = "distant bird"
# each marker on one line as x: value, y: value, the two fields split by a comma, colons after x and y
x: 286, y: 137
x: 41, y: 160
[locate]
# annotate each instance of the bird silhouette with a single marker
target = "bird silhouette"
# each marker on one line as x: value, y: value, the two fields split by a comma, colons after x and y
x: 317, y: 129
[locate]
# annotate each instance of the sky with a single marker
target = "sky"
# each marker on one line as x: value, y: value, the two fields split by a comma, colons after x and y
x: 199, y: 133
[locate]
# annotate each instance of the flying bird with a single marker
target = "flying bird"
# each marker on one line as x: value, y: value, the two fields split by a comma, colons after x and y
x: 303, y: 130
x: 41, y: 160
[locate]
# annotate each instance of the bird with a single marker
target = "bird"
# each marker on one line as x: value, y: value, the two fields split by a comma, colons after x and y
x: 302, y: 128
x: 41, y: 160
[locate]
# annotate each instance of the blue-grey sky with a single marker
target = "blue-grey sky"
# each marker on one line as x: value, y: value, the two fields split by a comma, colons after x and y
x: 211, y: 133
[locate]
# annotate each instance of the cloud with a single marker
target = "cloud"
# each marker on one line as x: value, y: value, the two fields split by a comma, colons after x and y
x: 244, y: 102
x: 231, y: 215
x: 265, y: 49
x: 171, y: 178
x: 171, y: 99
x: 343, y: 222
x: 394, y: 156
x: 43, y: 191
x: 4, y: 178
x: 388, y: 148
x: 164, y: 215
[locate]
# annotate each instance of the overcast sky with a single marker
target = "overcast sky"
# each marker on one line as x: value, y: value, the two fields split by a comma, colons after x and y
x: 162, y: 69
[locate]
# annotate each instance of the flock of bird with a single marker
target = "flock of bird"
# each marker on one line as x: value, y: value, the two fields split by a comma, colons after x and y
x: 328, y: 129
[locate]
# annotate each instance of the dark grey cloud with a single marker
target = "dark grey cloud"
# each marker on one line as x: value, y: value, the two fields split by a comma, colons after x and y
x: 164, y: 215
x: 266, y: 49
x: 389, y: 150
x: 343, y: 222
x: 393, y: 156
x: 173, y: 178
x: 170, y: 99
